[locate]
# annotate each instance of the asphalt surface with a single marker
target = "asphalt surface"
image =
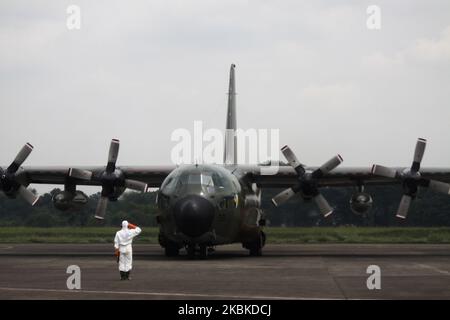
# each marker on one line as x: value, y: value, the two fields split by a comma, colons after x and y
x: 38, y: 271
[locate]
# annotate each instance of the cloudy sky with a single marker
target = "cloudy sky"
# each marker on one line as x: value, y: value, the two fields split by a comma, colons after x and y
x: 137, y: 70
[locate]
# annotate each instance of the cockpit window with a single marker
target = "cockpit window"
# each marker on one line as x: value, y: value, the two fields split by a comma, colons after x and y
x: 169, y: 185
x: 192, y: 179
x: 218, y: 180
x: 207, y: 180
x: 196, y: 178
x: 210, y: 181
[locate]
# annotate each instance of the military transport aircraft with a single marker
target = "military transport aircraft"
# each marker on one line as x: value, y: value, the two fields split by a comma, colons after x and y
x: 201, y: 206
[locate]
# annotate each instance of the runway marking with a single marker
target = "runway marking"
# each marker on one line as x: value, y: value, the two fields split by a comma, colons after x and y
x: 426, y: 266
x: 172, y: 294
x: 233, y: 266
x: 335, y: 281
x: 6, y: 247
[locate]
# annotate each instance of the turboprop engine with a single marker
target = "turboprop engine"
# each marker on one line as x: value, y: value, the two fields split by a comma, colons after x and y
x: 65, y: 200
x: 361, y: 203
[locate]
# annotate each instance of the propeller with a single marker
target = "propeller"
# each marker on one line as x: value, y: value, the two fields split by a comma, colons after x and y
x: 307, y: 181
x: 411, y: 179
x: 109, y: 179
x: 9, y: 181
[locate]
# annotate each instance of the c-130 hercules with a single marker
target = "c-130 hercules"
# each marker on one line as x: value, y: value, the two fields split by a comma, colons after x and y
x: 202, y: 206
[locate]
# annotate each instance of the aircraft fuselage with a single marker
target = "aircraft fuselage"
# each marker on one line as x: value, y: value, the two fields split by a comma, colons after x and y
x: 204, y: 206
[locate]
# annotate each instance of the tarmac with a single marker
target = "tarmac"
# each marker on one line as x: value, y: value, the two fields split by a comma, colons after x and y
x: 310, y: 271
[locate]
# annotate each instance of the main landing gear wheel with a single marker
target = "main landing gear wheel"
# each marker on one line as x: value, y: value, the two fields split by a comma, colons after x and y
x: 263, y: 238
x: 256, y: 246
x: 171, y: 249
x: 203, y: 253
x: 190, y: 248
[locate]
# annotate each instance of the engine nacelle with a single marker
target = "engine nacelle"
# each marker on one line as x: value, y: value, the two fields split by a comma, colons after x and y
x: 118, y: 191
x: 11, y: 186
x: 361, y: 203
x: 252, y: 200
x: 65, y: 200
x: 253, y: 197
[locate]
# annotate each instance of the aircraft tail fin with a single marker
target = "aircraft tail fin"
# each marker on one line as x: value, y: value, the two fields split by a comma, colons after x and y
x: 230, y: 152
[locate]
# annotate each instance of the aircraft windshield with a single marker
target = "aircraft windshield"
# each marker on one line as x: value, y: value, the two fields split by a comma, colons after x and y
x: 210, y: 181
x: 205, y: 179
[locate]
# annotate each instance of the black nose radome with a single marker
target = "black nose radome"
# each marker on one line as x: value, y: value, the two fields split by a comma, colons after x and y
x: 193, y: 215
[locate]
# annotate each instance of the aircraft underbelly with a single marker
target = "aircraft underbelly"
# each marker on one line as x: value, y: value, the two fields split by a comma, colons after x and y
x: 237, y: 225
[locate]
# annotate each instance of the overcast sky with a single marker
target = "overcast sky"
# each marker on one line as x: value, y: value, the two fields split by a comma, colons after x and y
x: 137, y: 70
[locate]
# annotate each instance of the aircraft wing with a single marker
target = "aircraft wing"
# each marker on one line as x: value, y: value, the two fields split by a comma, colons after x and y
x: 286, y: 176
x: 14, y: 179
x: 153, y: 176
x: 283, y: 178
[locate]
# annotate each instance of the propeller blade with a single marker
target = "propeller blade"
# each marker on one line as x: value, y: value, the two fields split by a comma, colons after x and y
x: 20, y: 158
x: 80, y: 174
x: 136, y: 185
x: 327, y: 166
x: 112, y: 156
x: 101, y: 208
x: 403, y: 208
x: 291, y: 158
x: 439, y: 186
x: 418, y: 154
x: 27, y: 195
x: 384, y: 171
x: 283, y: 196
x: 324, y: 208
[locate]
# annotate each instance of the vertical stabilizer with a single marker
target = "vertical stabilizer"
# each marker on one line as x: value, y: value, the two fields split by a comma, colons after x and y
x: 230, y: 152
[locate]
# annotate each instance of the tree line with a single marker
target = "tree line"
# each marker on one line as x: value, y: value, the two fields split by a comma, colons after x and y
x: 428, y: 209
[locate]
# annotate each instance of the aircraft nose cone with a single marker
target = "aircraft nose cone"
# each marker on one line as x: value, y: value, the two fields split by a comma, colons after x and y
x: 193, y: 215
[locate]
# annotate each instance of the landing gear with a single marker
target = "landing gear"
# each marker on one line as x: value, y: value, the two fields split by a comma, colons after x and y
x: 255, y: 248
x: 202, y: 250
x: 190, y: 248
x: 171, y: 249
x: 263, y: 236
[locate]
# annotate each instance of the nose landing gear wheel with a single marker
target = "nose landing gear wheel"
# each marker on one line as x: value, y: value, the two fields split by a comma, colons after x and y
x: 190, y: 251
x: 193, y: 249
x: 171, y: 251
x: 203, y: 253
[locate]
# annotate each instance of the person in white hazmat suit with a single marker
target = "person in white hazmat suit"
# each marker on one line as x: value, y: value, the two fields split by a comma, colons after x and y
x: 123, y: 248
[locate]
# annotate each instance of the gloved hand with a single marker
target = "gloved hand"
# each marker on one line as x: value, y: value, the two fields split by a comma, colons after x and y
x: 131, y: 226
x: 117, y: 252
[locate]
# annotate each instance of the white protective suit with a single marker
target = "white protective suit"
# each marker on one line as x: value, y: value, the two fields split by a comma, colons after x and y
x: 123, y: 241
